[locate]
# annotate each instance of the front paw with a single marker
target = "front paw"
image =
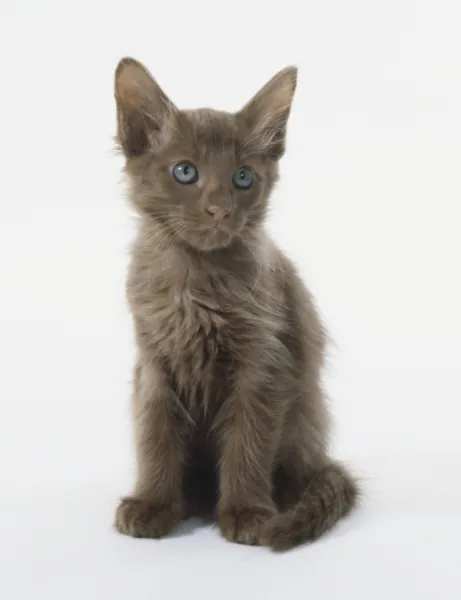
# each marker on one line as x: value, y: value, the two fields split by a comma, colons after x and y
x: 145, y: 519
x: 244, y: 525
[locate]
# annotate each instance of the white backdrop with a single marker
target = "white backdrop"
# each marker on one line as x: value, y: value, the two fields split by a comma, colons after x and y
x: 369, y: 208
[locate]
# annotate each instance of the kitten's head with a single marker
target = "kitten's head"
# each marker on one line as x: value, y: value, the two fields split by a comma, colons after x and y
x: 204, y: 176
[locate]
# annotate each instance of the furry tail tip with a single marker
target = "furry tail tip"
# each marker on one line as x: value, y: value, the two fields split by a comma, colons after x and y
x: 328, y: 496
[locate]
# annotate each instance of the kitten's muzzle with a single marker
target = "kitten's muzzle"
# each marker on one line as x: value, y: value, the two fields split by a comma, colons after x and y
x: 219, y: 213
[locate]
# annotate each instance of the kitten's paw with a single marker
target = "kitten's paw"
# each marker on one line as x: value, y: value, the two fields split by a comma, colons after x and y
x: 244, y: 525
x: 280, y: 534
x: 144, y: 519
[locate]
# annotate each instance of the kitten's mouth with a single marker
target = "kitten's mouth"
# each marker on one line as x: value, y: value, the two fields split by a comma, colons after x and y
x: 216, y: 236
x: 216, y: 231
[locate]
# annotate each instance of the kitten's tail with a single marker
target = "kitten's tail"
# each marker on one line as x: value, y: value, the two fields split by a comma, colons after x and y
x: 329, y: 495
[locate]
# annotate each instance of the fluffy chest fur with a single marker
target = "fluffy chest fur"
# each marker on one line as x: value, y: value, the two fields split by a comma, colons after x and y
x: 199, y: 319
x: 190, y: 327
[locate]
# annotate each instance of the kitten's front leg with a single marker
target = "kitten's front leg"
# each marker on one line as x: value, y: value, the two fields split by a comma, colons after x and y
x: 156, y: 505
x: 249, y: 434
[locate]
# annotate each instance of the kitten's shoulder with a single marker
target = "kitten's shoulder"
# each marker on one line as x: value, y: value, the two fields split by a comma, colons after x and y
x: 278, y: 260
x: 298, y: 297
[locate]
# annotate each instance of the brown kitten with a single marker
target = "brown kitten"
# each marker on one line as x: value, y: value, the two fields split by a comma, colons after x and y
x: 228, y: 407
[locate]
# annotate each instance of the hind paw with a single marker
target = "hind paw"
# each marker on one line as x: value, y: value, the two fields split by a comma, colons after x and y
x: 244, y: 525
x: 279, y: 534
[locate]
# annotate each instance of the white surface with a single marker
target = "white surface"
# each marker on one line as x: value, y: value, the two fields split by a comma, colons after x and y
x: 368, y: 206
x: 402, y: 544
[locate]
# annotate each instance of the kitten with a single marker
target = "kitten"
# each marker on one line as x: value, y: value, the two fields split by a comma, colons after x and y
x: 229, y: 413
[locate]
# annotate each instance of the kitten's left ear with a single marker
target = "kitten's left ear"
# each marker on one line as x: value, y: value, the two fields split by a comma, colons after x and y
x: 143, y: 108
x: 267, y: 113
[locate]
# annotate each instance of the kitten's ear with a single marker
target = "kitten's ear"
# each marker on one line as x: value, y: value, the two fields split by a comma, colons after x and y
x: 142, y: 107
x: 267, y: 113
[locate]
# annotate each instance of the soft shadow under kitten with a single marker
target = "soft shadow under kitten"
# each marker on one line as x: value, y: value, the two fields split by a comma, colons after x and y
x: 229, y: 413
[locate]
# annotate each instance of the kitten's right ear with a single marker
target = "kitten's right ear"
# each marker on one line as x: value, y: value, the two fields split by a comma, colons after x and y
x: 142, y: 107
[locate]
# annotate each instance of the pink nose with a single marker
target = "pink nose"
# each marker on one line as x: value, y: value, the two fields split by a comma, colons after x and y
x: 218, y: 213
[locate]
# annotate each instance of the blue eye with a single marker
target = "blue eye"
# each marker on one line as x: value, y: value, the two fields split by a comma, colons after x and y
x: 185, y: 172
x: 243, y: 178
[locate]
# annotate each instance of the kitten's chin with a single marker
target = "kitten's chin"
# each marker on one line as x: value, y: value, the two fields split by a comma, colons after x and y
x: 211, y: 239
x: 215, y: 240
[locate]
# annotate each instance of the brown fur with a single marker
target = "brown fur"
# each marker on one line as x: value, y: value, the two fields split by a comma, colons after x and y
x: 228, y: 407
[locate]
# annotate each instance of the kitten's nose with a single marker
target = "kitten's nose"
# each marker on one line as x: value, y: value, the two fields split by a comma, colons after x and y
x: 219, y: 213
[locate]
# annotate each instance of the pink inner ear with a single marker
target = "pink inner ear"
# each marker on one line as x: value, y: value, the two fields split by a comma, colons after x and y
x: 273, y: 101
x: 131, y: 98
x: 129, y: 89
x: 136, y: 90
